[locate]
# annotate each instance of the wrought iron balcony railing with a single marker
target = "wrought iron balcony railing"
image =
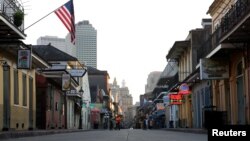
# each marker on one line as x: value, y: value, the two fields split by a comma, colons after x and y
x: 8, y: 8
x: 234, y: 15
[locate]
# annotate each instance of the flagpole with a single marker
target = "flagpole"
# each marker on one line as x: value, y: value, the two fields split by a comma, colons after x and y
x: 42, y: 18
x: 39, y: 20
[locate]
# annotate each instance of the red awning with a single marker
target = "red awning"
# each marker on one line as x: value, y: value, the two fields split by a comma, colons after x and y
x: 95, y: 110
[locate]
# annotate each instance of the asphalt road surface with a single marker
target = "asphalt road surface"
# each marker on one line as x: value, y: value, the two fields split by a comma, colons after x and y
x: 118, y: 135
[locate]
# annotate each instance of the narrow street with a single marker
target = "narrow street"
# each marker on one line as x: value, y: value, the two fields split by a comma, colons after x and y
x: 119, y: 135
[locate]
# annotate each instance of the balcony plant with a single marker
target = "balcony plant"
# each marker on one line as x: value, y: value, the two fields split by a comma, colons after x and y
x: 18, y: 17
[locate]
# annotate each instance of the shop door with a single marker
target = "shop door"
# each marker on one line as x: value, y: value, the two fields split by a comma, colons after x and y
x: 240, y: 95
x: 30, y: 103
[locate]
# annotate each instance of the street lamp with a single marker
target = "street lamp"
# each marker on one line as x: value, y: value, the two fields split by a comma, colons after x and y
x: 81, y: 102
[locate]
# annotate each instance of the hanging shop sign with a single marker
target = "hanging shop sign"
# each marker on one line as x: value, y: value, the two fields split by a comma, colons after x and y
x: 175, y: 99
x: 24, y: 59
x: 184, y: 89
x: 214, y: 69
x: 65, y: 82
x: 160, y: 106
x: 77, y: 72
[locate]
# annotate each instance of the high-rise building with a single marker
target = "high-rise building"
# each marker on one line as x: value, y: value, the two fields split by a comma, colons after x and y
x: 86, y: 43
x: 59, y: 43
x: 85, y: 49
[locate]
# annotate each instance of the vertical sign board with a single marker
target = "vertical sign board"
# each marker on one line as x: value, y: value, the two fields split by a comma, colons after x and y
x: 65, y: 82
x: 24, y: 59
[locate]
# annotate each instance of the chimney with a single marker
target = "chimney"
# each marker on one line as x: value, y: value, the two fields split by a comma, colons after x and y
x: 206, y: 23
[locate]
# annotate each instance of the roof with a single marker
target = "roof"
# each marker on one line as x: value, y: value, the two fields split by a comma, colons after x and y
x: 94, y: 71
x: 50, y: 53
x: 177, y: 50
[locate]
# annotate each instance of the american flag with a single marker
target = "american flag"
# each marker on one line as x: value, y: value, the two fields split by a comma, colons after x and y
x: 66, y: 14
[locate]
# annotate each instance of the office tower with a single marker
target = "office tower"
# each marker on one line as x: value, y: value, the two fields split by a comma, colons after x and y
x: 86, y: 43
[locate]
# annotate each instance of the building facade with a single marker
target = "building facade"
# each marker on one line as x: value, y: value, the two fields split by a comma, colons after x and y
x: 59, y: 92
x: 230, y: 24
x: 100, y: 97
x: 17, y: 71
x: 86, y: 43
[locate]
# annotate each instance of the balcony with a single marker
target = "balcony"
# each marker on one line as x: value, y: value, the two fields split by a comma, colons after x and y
x: 9, y: 28
x: 235, y: 23
x: 234, y: 27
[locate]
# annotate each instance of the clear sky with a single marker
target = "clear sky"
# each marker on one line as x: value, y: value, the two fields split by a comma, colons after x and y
x: 133, y: 36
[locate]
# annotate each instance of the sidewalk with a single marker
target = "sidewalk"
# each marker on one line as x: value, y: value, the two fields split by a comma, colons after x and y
x: 28, y: 133
x: 188, y: 130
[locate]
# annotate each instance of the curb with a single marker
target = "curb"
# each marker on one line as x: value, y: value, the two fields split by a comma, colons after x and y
x: 18, y: 134
x: 188, y: 130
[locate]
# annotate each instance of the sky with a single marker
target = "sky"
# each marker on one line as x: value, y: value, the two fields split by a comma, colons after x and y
x: 133, y: 36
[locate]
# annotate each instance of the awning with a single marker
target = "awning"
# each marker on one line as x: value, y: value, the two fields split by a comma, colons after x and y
x: 177, y: 50
x: 95, y: 110
x: 158, y: 113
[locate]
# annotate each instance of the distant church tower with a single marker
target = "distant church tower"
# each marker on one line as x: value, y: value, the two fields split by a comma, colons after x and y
x: 123, y: 83
x: 121, y: 94
x: 115, y: 90
x: 114, y: 82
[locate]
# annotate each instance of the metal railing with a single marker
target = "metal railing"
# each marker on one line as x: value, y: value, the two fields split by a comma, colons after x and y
x: 234, y: 15
x: 8, y: 8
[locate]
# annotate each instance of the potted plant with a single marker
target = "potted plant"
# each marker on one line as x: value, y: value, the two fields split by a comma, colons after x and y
x: 18, y: 17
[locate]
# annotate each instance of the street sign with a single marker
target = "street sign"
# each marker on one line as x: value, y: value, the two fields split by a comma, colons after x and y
x: 77, y: 72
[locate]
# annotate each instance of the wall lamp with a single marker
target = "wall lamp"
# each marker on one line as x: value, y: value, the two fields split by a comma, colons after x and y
x: 5, y: 65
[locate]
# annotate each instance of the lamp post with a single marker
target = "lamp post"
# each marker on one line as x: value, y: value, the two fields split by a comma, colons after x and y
x: 81, y: 102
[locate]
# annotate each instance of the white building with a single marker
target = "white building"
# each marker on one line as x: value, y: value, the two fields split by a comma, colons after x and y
x: 86, y: 102
x: 59, y: 43
x: 86, y: 43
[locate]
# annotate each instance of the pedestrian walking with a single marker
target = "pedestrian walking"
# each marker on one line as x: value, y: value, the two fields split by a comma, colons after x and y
x: 118, y: 122
x: 145, y: 124
x: 111, y: 125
